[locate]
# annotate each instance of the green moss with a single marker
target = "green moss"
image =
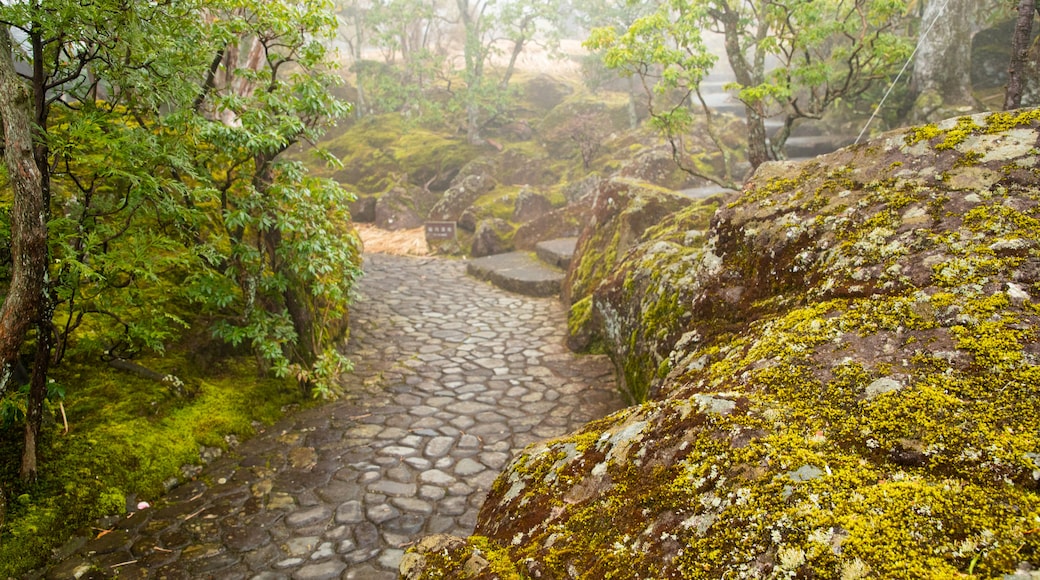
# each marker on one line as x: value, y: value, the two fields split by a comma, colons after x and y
x: 579, y: 315
x: 128, y: 436
x: 964, y: 128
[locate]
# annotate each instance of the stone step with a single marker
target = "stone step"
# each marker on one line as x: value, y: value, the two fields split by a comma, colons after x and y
x: 519, y: 272
x: 557, y: 252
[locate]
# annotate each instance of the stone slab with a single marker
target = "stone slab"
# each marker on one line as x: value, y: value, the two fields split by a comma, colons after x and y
x: 558, y: 252
x: 518, y: 272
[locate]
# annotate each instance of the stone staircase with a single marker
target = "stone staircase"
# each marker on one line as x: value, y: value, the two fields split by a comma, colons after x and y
x: 807, y: 141
x: 537, y: 273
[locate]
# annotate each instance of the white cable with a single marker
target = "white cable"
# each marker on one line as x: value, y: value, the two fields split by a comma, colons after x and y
x: 920, y: 41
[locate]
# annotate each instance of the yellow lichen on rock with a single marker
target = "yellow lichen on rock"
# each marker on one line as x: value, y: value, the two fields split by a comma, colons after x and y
x: 843, y: 374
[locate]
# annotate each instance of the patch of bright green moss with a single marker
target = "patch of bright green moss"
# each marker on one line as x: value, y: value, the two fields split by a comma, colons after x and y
x: 127, y: 436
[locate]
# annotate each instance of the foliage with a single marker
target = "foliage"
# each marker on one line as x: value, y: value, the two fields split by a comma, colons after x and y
x: 449, y: 63
x: 160, y: 134
x: 128, y: 438
x: 825, y: 53
x: 281, y: 254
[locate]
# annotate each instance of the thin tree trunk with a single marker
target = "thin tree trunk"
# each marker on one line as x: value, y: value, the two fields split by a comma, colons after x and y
x: 1019, y: 52
x: 28, y: 214
x: 746, y: 73
x: 359, y: 106
x: 633, y: 112
x: 518, y: 47
x: 37, y: 396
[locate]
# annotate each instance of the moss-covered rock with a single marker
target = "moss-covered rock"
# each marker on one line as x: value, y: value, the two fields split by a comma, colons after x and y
x: 379, y: 151
x: 622, y: 210
x: 854, y: 391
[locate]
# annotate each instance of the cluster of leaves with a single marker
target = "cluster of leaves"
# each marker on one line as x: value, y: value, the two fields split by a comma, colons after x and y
x: 793, y: 59
x: 159, y: 176
x: 438, y: 59
x: 174, y: 218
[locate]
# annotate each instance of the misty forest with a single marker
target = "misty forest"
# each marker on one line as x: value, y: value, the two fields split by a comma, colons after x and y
x: 490, y: 289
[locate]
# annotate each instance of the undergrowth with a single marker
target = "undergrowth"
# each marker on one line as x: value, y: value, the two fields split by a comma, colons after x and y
x: 127, y: 436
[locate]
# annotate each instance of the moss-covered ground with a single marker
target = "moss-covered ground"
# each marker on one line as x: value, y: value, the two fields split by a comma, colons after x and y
x: 127, y: 437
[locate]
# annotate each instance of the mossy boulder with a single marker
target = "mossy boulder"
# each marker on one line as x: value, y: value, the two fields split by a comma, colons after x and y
x: 639, y: 312
x: 491, y: 237
x: 400, y: 208
x: 622, y: 210
x: 564, y: 222
x: 530, y: 205
x: 854, y: 391
x: 378, y: 151
x: 468, y: 186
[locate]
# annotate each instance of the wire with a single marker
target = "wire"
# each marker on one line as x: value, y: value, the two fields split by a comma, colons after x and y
x: 900, y: 75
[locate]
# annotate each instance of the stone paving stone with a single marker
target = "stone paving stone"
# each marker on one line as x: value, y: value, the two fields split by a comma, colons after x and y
x: 323, y: 571
x: 451, y: 379
x: 349, y: 513
x: 468, y: 467
x: 393, y: 488
x: 308, y: 516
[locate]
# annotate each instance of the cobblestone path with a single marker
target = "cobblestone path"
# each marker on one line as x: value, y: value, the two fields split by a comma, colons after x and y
x: 453, y: 376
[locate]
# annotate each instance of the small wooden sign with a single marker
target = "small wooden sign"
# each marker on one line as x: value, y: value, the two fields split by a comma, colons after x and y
x: 440, y: 230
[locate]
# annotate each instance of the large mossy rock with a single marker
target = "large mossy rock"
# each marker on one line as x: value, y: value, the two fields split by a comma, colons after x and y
x: 854, y: 390
x: 622, y: 210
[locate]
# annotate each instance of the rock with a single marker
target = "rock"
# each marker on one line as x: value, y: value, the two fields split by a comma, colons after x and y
x: 656, y: 165
x: 490, y: 237
x: 544, y: 92
x: 564, y: 222
x: 363, y: 210
x: 513, y: 167
x: 441, y: 552
x: 576, y: 191
x: 839, y: 361
x: 471, y: 217
x: 530, y: 205
x: 395, y: 210
x: 621, y: 212
x: 473, y: 181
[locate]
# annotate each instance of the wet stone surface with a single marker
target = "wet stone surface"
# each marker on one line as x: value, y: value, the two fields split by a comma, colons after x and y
x: 453, y: 376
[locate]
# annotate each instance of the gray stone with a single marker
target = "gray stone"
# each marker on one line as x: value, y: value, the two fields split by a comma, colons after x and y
x: 349, y: 513
x: 309, y: 516
x: 467, y: 467
x: 323, y: 571
x: 380, y: 513
x: 411, y: 504
x: 436, y: 477
x: 393, y: 488
x: 301, y: 546
x: 439, y: 446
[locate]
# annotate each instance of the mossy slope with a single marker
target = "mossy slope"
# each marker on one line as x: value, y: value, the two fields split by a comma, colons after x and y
x: 853, y: 387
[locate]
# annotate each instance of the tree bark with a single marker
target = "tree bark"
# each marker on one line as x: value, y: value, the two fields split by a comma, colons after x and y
x: 28, y: 214
x: 1019, y: 52
x: 747, y: 75
x: 942, y: 69
x: 37, y: 396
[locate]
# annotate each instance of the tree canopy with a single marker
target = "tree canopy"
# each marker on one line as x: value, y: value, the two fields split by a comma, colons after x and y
x: 159, y: 132
x: 791, y: 60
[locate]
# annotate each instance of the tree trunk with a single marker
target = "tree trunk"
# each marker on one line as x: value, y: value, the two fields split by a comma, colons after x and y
x: 1019, y: 52
x: 941, y: 79
x: 359, y: 106
x: 28, y: 214
x: 37, y: 396
x: 747, y: 75
x: 633, y: 112
x: 758, y: 150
